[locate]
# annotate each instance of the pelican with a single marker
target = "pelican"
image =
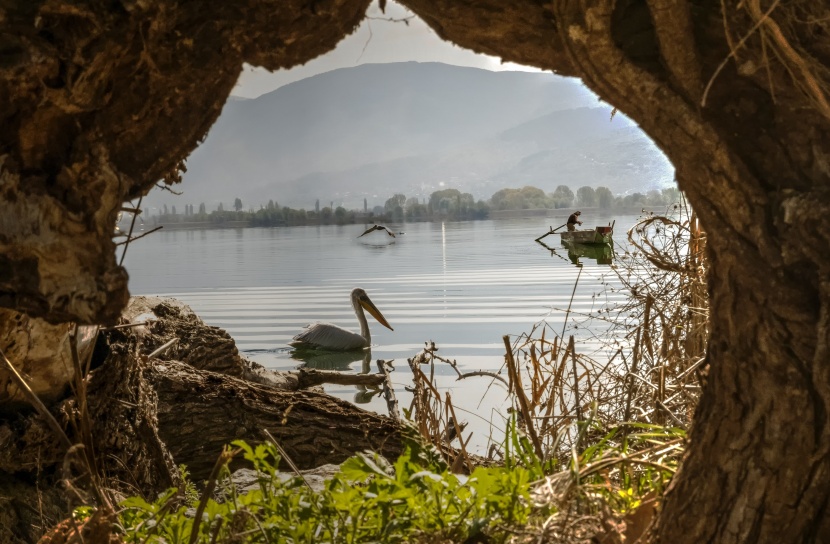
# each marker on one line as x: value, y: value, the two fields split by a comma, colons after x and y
x: 328, y: 336
x: 377, y: 227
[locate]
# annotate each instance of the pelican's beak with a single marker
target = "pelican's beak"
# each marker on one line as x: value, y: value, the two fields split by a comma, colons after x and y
x: 370, y: 307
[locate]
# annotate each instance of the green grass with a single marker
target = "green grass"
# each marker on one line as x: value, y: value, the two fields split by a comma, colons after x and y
x: 414, y: 499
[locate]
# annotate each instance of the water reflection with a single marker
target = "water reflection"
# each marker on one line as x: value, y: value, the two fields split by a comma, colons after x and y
x: 377, y: 245
x: 365, y: 393
x: 331, y: 360
x: 340, y: 361
x: 602, y: 254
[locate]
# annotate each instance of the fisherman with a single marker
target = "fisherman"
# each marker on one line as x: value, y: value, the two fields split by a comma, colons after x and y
x: 573, y: 220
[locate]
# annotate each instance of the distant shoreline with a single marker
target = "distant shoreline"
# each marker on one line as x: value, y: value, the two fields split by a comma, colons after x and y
x: 565, y: 212
x: 561, y: 213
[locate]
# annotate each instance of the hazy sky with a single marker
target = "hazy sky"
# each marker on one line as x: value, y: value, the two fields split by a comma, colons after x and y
x: 376, y: 40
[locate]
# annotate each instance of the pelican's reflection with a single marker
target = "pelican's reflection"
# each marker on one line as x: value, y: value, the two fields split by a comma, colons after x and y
x: 330, y: 360
x: 341, y: 361
x: 366, y: 393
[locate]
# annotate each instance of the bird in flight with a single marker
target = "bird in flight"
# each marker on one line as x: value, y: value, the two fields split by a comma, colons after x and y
x: 378, y: 227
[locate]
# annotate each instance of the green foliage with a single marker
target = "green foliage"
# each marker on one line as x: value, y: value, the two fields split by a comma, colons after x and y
x: 520, y: 199
x: 586, y: 197
x: 80, y: 513
x: 605, y: 198
x: 415, y: 211
x: 370, y: 500
x: 394, y: 207
x: 397, y: 201
x: 416, y: 498
x: 628, y: 464
x: 563, y: 197
x: 189, y: 490
x: 341, y: 216
x: 446, y: 204
x: 453, y: 204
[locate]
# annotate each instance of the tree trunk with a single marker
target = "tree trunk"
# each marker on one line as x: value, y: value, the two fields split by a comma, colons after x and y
x: 757, y: 468
x: 41, y: 352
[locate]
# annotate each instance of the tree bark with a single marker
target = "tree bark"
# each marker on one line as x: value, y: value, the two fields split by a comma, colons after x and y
x: 41, y: 352
x: 200, y: 412
x: 757, y: 466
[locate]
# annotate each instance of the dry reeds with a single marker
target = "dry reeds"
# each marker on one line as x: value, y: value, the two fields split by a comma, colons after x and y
x: 605, y: 412
x: 654, y: 331
x: 434, y: 415
x: 614, y: 426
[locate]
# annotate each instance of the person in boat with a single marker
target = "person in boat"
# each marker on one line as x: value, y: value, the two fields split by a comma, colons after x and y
x: 573, y: 220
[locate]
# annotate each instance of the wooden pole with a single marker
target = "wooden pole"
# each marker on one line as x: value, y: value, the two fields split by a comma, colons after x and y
x: 552, y: 230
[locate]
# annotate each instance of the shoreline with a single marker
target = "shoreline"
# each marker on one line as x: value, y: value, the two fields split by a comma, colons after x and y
x: 494, y: 215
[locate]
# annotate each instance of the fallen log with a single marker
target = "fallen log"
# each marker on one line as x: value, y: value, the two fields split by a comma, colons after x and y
x: 200, y: 411
x: 309, y: 377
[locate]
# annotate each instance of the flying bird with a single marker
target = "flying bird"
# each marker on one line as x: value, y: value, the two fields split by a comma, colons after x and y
x: 378, y: 227
x: 328, y: 336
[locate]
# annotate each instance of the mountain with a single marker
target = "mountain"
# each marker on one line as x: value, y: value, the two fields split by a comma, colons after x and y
x: 587, y: 146
x: 411, y: 128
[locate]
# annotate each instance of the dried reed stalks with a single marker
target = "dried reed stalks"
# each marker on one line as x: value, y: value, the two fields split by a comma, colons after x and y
x: 640, y: 397
x: 610, y: 419
x: 433, y: 415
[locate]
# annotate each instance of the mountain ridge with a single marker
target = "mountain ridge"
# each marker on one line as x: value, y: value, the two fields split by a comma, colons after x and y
x: 380, y: 129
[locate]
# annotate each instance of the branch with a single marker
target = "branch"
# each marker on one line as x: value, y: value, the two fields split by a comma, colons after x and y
x: 130, y: 239
x: 310, y: 377
x: 389, y: 392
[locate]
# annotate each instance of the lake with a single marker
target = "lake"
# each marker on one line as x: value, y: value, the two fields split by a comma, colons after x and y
x: 462, y: 285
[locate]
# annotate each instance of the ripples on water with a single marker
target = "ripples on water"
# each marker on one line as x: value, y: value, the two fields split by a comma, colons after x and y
x: 462, y: 285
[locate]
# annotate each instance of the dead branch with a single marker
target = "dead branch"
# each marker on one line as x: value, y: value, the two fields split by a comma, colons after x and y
x: 389, y: 392
x: 307, y: 377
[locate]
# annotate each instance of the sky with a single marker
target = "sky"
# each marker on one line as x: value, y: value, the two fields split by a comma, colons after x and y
x: 377, y: 40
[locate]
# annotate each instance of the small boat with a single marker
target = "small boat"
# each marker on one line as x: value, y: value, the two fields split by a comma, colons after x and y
x: 599, y: 236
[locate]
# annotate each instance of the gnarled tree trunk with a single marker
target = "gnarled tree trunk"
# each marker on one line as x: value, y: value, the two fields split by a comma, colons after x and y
x: 757, y: 468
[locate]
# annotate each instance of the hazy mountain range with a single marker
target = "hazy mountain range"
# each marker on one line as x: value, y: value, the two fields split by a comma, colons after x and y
x: 413, y: 128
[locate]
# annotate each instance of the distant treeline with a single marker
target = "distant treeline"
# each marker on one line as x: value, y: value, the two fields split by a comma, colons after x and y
x: 447, y: 204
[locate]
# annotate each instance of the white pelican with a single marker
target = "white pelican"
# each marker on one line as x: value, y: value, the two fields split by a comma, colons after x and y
x: 377, y: 227
x: 332, y: 337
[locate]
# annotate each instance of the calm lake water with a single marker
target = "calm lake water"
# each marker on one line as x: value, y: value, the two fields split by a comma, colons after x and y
x: 461, y: 285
